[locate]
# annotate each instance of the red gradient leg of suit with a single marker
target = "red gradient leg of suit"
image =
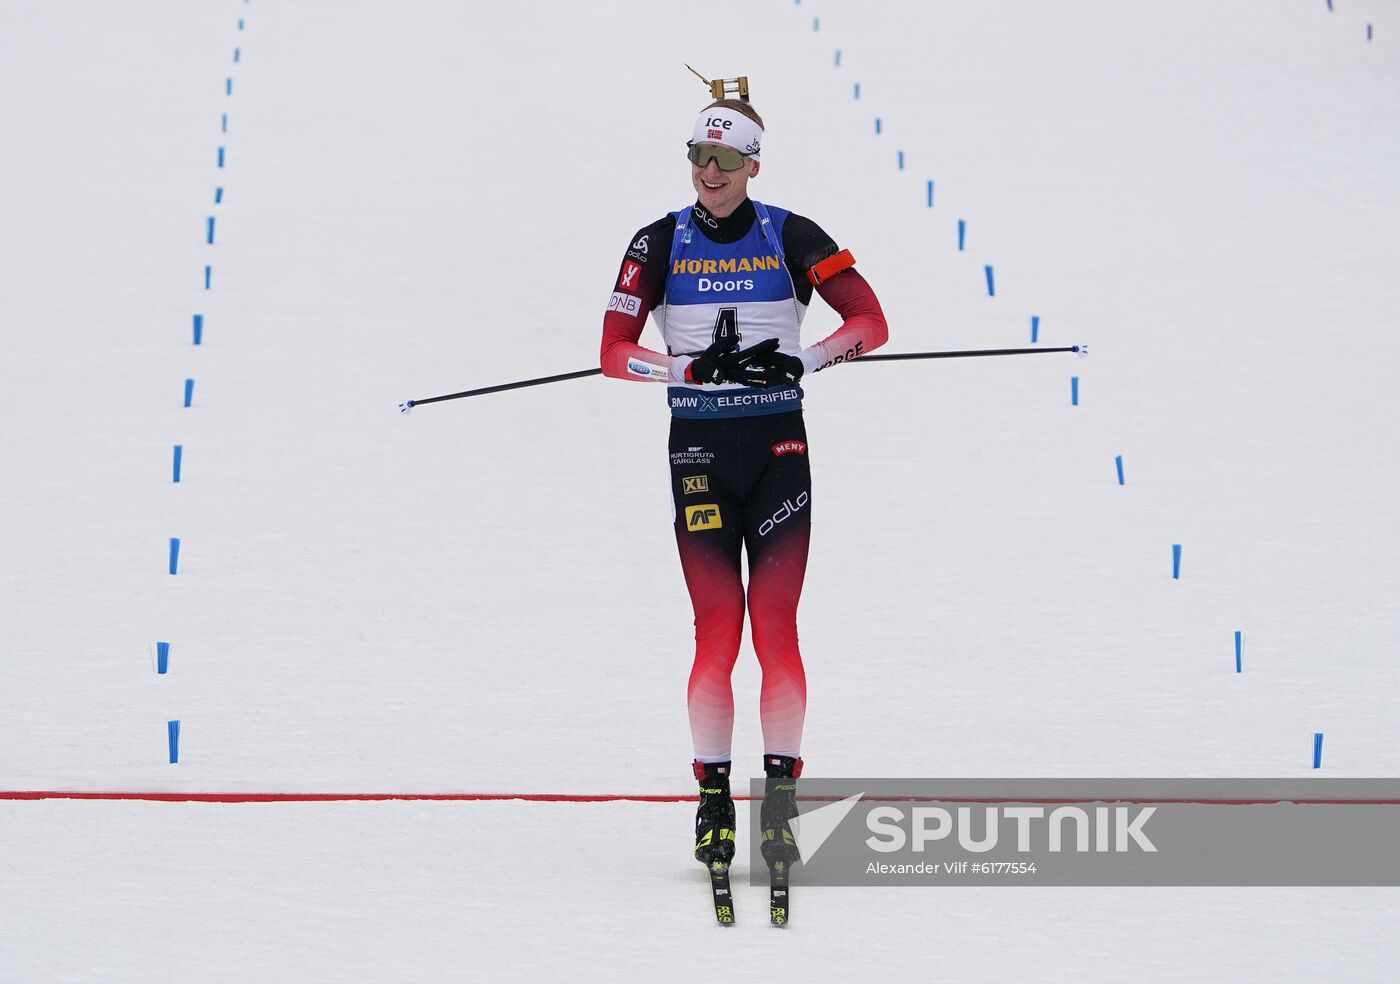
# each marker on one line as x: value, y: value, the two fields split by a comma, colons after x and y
x: 743, y: 485
x: 775, y: 583
x: 776, y: 535
x: 710, y: 560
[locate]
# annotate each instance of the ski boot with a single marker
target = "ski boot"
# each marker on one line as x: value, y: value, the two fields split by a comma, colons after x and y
x: 714, y: 820
x: 779, y: 847
x: 779, y: 806
x: 714, y: 834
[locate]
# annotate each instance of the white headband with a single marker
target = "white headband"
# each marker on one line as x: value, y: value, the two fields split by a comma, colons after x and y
x: 729, y: 127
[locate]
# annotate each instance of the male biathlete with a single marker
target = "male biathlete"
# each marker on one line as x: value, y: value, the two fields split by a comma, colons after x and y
x: 728, y: 281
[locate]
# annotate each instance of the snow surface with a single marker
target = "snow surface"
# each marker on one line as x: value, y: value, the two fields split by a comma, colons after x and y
x: 484, y: 596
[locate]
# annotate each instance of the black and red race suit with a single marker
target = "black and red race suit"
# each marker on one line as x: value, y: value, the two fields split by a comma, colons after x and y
x: 740, y: 472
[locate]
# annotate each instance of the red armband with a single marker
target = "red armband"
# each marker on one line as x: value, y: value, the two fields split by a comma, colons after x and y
x: 831, y: 266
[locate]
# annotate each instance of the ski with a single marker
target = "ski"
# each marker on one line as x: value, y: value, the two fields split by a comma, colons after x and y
x: 719, y: 887
x: 778, y: 899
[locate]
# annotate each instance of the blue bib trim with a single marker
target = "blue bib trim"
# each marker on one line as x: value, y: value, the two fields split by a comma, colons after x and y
x: 700, y: 271
x: 697, y: 404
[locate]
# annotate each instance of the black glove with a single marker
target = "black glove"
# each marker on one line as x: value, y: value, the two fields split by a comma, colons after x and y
x: 721, y: 363
x: 707, y: 367
x: 771, y: 368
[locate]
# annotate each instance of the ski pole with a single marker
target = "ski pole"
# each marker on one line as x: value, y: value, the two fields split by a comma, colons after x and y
x: 408, y: 405
x: 969, y: 353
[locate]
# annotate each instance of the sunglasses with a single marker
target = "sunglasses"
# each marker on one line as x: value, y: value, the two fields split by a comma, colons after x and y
x: 727, y: 158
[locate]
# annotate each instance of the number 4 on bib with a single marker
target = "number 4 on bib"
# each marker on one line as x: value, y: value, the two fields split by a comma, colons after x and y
x: 727, y: 327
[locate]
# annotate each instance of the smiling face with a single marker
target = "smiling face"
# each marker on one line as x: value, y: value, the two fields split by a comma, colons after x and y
x: 721, y: 192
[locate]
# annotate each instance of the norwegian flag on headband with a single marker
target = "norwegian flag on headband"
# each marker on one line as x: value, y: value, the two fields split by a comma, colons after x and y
x: 722, y: 125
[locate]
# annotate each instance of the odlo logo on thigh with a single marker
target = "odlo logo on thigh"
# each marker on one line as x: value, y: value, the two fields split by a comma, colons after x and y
x: 703, y: 517
x: 787, y: 509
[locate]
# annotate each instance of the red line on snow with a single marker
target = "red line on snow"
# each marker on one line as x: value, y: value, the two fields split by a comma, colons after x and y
x: 343, y: 797
x: 629, y: 798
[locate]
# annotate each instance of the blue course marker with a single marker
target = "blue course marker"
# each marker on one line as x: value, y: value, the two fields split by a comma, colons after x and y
x: 198, y: 329
x: 877, y: 126
x: 1176, y: 561
x: 236, y: 53
x: 208, y: 273
x: 223, y: 122
x: 1074, y: 391
x: 1239, y: 651
x: 816, y: 23
x: 857, y: 90
x: 1317, y: 749
x: 172, y: 730
x: 1368, y: 32
x: 174, y: 554
x: 189, y: 391
x: 991, y: 283
x: 179, y: 457
x: 1118, y: 463
x: 221, y: 157
x: 1035, y: 328
x: 240, y: 23
x: 209, y: 230
x: 228, y: 87
x: 962, y: 234
x: 837, y: 62
x: 162, y: 657
x: 900, y: 155
x: 929, y: 194
x: 218, y: 195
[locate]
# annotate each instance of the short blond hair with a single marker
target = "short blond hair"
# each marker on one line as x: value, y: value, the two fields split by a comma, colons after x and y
x: 739, y: 106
